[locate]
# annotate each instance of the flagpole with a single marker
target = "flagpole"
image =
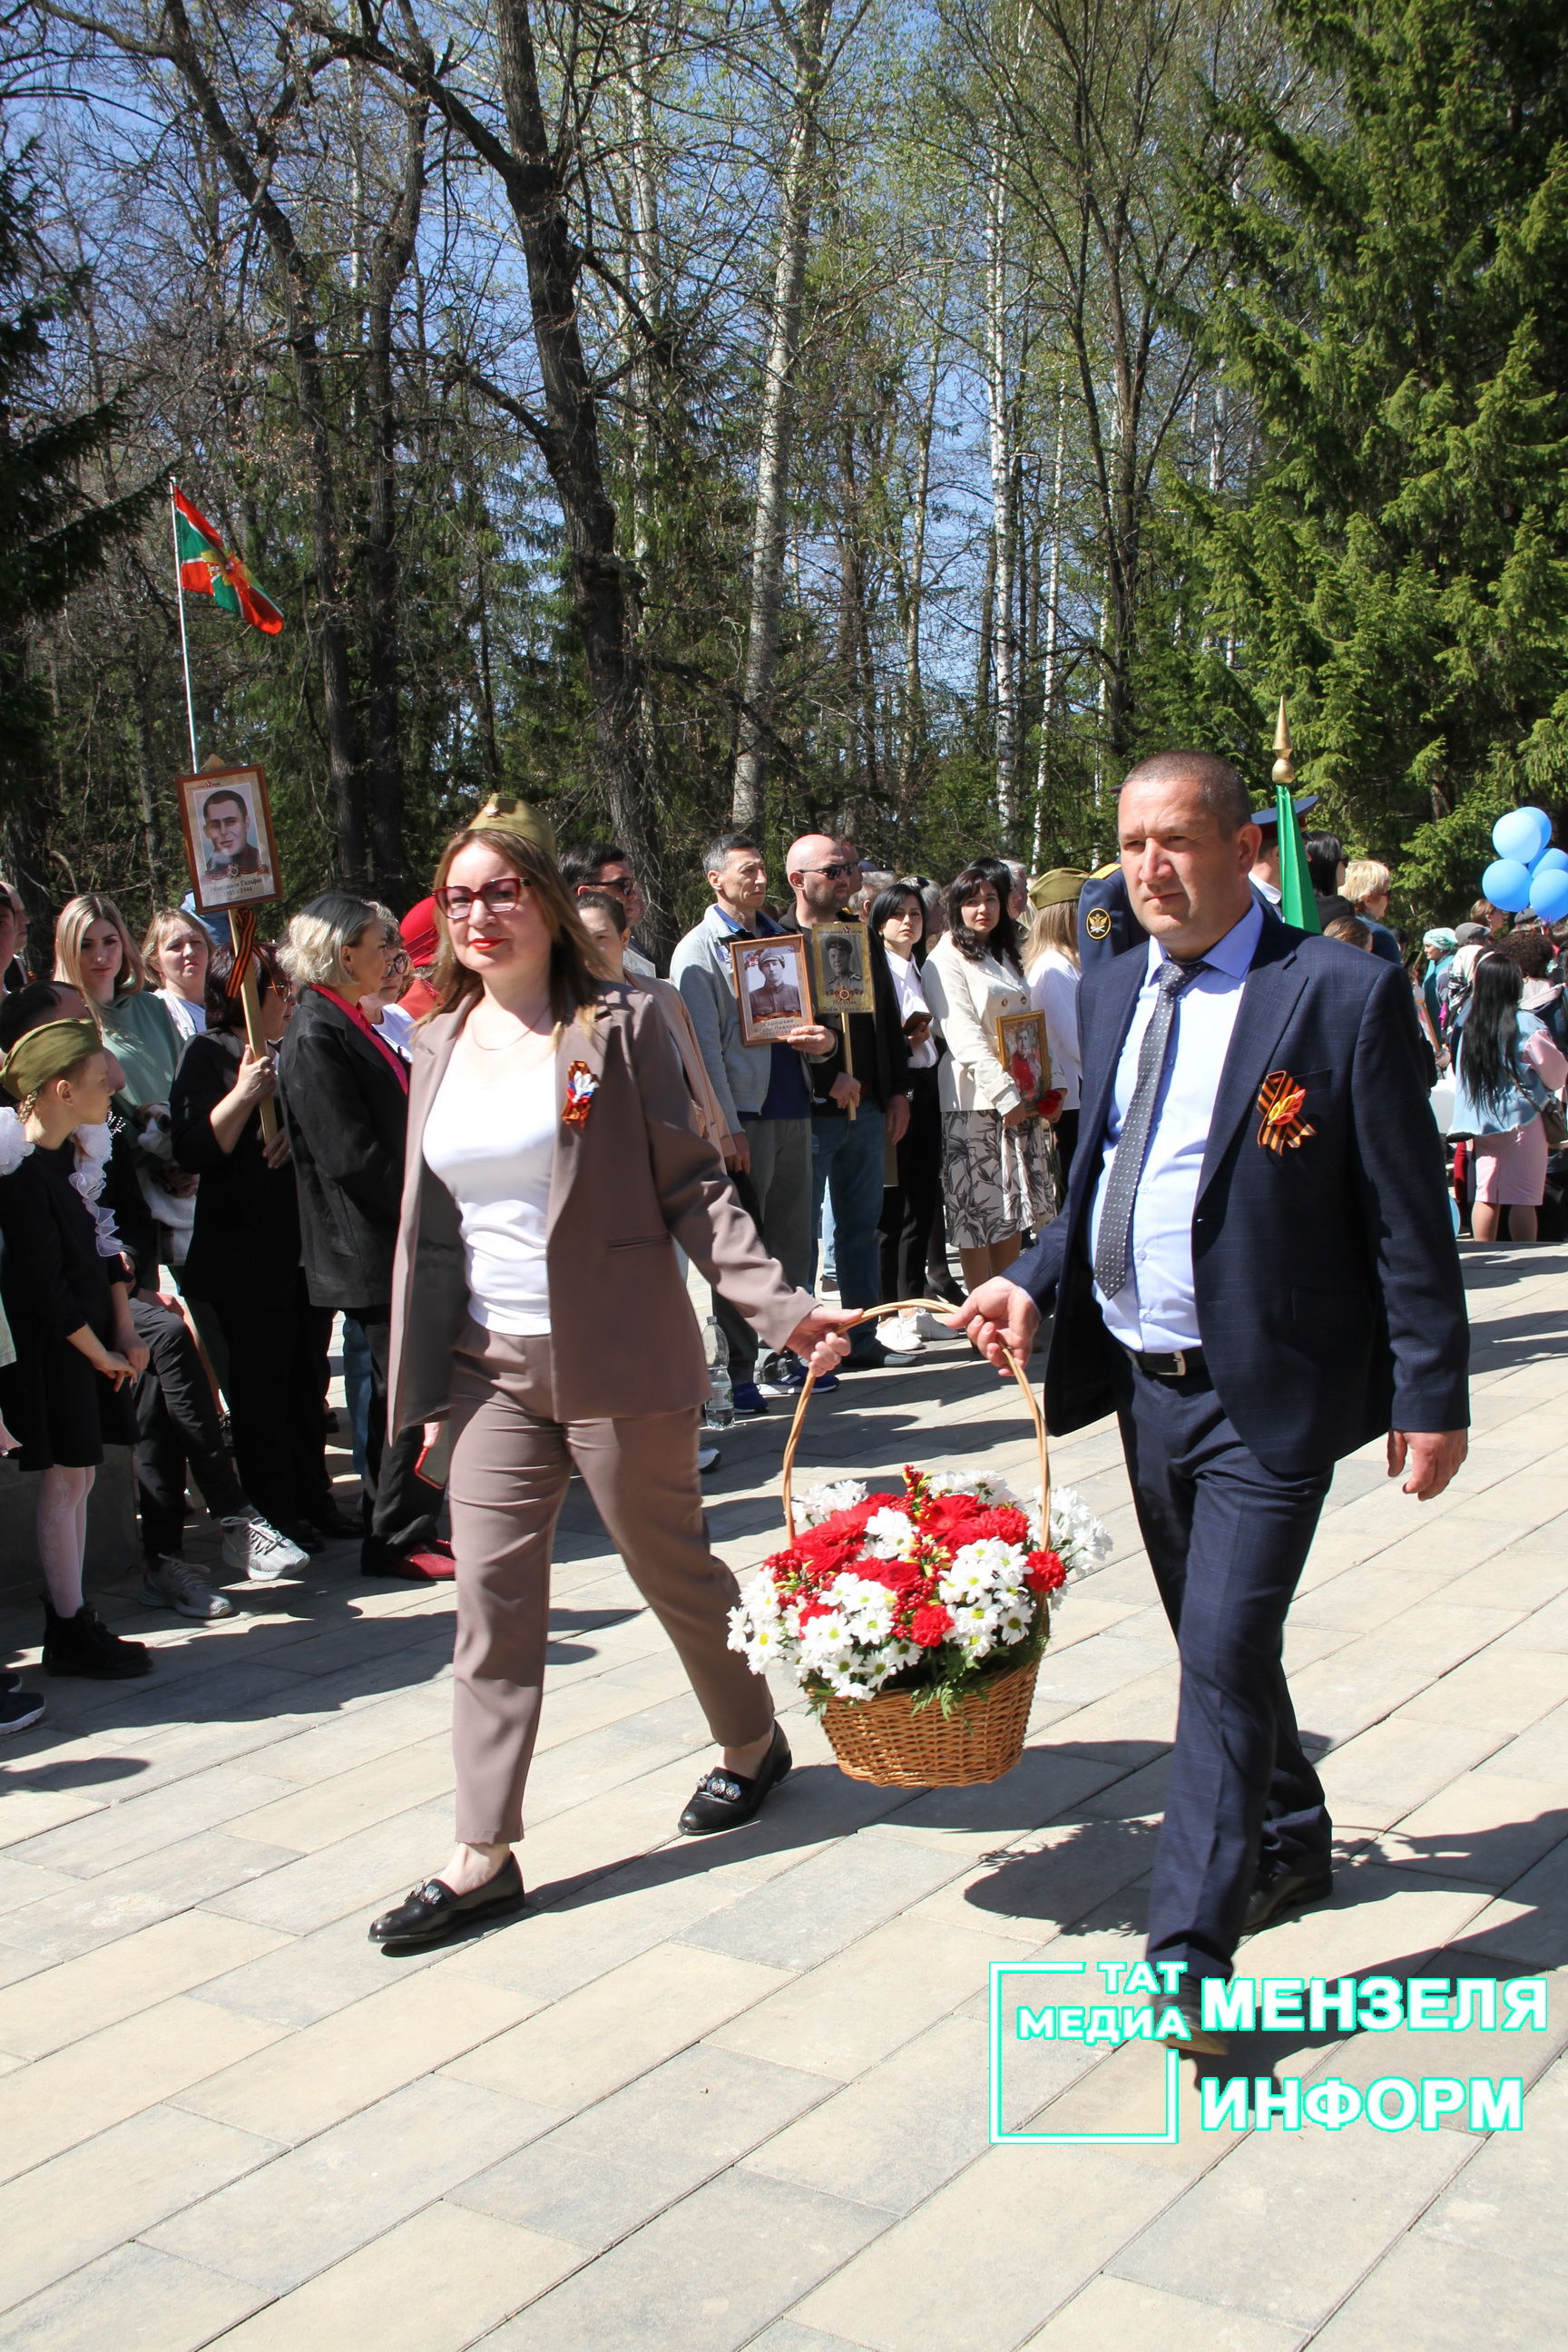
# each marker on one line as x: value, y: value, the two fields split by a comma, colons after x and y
x: 185, y: 646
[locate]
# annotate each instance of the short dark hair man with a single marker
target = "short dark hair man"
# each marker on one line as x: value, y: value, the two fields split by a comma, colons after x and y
x: 605, y: 866
x: 225, y: 820
x: 1252, y: 1105
x: 765, y: 1095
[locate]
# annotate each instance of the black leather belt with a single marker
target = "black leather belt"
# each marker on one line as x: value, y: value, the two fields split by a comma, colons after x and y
x: 1170, y: 1367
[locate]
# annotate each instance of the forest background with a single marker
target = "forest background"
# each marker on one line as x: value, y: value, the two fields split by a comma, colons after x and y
x: 890, y: 418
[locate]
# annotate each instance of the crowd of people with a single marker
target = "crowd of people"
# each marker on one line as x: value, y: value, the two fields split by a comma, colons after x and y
x: 185, y: 1216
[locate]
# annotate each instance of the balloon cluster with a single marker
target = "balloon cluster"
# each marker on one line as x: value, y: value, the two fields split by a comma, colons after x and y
x: 1525, y: 872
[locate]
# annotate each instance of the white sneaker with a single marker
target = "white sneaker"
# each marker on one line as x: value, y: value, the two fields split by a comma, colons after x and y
x: 927, y: 1325
x: 170, y: 1584
x: 902, y: 1336
x: 254, y: 1545
x: 707, y: 1456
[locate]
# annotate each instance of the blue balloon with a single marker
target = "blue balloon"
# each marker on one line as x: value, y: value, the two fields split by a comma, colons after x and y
x: 1522, y: 834
x: 1551, y: 861
x: 1507, y: 884
x: 1549, y: 893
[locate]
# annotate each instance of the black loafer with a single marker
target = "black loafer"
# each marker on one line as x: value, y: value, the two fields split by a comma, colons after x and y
x: 1288, y: 1890
x: 433, y: 1912
x: 723, y: 1800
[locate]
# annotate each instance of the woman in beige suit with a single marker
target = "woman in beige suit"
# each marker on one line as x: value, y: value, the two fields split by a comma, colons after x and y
x: 553, y: 1161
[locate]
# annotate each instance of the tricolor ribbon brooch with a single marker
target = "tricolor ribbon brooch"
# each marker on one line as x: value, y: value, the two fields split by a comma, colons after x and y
x: 582, y: 1085
x: 1280, y: 1100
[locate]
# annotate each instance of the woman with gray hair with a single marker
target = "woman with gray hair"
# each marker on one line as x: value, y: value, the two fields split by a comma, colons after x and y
x: 345, y: 1093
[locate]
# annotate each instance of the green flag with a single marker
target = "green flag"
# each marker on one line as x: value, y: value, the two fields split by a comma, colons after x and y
x: 1298, y: 905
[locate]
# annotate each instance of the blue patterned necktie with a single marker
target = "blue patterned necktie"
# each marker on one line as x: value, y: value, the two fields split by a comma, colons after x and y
x: 1113, y: 1249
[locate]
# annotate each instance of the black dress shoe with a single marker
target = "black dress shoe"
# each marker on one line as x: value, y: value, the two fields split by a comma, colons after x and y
x: 1288, y: 1890
x: 723, y: 1800
x: 866, y: 1360
x: 432, y: 1912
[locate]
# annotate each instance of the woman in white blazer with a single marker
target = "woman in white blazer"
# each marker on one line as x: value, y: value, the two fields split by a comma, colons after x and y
x: 998, y: 1171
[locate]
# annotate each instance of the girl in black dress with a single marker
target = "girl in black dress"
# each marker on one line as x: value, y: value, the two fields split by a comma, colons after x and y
x: 67, y: 1393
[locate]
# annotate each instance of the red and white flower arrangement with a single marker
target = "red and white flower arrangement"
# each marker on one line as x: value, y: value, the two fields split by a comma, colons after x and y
x: 930, y: 1591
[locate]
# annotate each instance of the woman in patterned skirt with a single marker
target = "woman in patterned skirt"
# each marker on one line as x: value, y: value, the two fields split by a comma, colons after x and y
x: 998, y: 1169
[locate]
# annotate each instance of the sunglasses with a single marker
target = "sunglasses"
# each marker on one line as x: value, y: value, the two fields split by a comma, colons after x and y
x: 500, y: 897
x: 834, y: 873
x: 621, y: 883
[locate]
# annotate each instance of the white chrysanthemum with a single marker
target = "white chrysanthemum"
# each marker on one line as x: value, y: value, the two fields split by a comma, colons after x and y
x: 1015, y: 1620
x: 978, y: 1570
x: 1080, y: 1537
x: 867, y: 1608
x: 891, y: 1535
x: 760, y: 1599
x: 819, y: 1503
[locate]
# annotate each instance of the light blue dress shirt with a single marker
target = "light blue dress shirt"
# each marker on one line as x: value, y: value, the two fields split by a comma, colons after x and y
x: 1157, y: 1311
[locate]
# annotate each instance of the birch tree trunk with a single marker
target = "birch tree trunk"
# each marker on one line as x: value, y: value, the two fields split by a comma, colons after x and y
x: 1003, y: 490
x: 775, y: 438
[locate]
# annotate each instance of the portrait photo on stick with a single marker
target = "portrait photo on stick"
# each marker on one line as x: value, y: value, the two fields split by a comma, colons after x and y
x: 228, y: 838
x: 773, y: 989
x: 843, y: 968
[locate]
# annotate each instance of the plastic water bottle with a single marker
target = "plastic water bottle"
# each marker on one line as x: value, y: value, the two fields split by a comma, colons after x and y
x: 721, y: 1407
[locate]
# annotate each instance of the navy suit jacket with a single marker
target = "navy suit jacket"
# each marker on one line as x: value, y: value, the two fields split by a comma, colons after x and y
x: 1330, y: 1303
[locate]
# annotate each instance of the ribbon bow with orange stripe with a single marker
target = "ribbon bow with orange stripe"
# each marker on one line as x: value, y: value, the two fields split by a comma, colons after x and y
x: 1280, y: 1100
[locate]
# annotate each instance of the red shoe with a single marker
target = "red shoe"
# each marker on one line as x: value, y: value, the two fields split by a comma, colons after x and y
x: 433, y: 1558
x: 427, y: 1562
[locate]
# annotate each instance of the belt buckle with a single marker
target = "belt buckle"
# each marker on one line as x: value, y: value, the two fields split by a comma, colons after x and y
x: 1179, y: 1356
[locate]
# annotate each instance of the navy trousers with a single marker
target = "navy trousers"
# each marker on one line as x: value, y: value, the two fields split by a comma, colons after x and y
x: 1227, y: 1540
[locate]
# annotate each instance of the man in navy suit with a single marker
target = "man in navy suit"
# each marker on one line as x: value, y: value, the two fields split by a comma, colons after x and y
x: 1254, y: 1269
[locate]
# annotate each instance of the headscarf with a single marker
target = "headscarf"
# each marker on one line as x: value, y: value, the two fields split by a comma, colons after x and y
x: 47, y: 1052
x: 1442, y: 938
x: 420, y: 933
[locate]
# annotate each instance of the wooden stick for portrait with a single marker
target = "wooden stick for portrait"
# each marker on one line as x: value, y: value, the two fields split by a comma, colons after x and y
x: 250, y: 999
x: 848, y: 1058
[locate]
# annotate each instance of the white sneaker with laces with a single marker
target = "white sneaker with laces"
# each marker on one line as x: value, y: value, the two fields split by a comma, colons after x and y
x: 170, y: 1584
x: 902, y: 1336
x: 254, y: 1545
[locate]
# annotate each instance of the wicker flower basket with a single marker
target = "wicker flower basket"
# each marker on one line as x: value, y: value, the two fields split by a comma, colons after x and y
x: 886, y: 1739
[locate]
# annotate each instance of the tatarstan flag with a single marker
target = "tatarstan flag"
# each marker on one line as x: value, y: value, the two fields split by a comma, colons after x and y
x: 208, y: 569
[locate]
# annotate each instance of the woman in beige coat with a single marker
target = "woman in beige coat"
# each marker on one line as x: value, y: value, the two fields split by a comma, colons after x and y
x: 553, y: 1161
x: 998, y: 1174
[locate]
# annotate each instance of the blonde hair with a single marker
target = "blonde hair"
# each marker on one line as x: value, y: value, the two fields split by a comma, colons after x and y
x: 312, y: 949
x: 77, y: 916
x: 158, y: 931
x: 1366, y: 878
x: 576, y: 978
x: 1053, y: 927
x: 1351, y: 929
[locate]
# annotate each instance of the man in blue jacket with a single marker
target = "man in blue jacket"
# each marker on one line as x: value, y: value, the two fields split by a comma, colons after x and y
x: 1255, y: 1269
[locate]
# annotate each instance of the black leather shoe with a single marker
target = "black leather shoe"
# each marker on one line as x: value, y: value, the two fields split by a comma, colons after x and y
x: 723, y: 1800
x: 1288, y: 1890
x: 433, y: 1912
x: 866, y: 1360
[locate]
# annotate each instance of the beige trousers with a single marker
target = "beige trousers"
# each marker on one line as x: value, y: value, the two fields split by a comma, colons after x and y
x: 510, y: 1462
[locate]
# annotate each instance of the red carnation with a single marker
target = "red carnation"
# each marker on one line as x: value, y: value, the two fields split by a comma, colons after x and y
x: 931, y: 1625
x: 1043, y: 1571
x: 949, y: 1519
x: 1005, y: 1523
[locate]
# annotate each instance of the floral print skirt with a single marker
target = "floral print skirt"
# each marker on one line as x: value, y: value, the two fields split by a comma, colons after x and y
x: 996, y: 1181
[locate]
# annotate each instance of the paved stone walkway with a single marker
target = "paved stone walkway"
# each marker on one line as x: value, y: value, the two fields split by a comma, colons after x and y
x: 707, y: 2096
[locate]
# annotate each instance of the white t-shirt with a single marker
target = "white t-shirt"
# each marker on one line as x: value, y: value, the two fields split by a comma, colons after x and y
x: 397, y: 1028
x: 493, y: 1147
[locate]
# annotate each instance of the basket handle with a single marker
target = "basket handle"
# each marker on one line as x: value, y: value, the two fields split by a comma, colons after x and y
x: 903, y: 1307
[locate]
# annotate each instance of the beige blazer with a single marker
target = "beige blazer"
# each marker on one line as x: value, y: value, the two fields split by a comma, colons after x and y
x: 965, y: 999
x: 710, y: 1120
x: 630, y: 1181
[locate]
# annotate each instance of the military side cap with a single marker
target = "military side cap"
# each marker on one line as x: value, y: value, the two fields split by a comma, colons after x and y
x: 1059, y: 887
